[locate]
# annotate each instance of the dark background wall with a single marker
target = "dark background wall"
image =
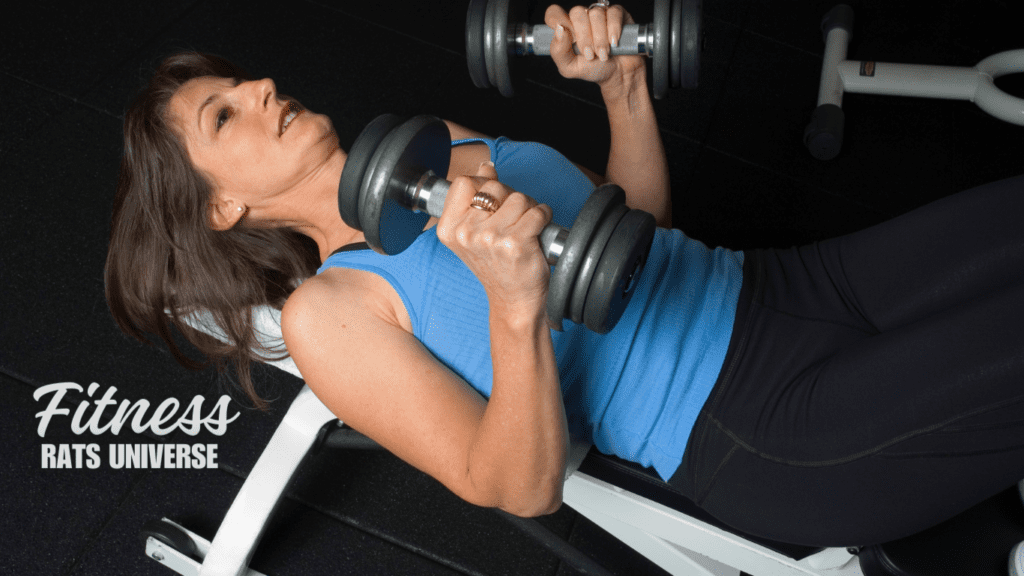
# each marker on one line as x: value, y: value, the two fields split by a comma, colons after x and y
x: 740, y: 178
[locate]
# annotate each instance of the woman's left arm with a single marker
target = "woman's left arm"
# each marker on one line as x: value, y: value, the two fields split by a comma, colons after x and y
x: 636, y: 159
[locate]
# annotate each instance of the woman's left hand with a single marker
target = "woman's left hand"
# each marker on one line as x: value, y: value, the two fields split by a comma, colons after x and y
x: 594, y: 30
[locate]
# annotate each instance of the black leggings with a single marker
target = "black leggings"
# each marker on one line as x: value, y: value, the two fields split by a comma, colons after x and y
x: 874, y: 384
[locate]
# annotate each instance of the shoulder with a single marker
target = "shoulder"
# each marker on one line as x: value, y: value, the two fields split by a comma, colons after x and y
x: 338, y: 298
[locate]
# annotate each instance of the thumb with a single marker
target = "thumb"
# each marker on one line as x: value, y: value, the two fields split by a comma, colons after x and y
x: 487, y: 170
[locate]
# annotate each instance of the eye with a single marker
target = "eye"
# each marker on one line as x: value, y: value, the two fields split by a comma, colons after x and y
x: 222, y: 116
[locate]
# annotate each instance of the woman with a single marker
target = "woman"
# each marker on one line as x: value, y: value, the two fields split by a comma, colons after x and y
x: 848, y: 392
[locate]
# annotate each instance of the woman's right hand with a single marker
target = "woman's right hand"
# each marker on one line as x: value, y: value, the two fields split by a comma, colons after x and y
x: 500, y: 248
x: 593, y: 31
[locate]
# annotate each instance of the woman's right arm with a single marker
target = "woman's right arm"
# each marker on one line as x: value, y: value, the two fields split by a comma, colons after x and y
x: 357, y: 353
x: 636, y: 158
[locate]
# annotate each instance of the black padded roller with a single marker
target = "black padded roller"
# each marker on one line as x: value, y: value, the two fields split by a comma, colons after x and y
x: 824, y: 135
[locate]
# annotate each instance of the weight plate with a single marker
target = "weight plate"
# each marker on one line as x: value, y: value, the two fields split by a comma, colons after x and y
x: 593, y: 255
x: 420, y: 144
x: 676, y: 42
x: 619, y: 271
x: 662, y: 46
x: 355, y: 166
x: 498, y: 63
x: 489, y: 41
x: 475, y: 58
x: 601, y: 201
x: 687, y: 73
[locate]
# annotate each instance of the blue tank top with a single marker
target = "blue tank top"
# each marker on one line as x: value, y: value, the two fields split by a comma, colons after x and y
x: 634, y: 392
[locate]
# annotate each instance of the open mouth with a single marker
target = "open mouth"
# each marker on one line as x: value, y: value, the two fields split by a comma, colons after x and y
x: 288, y: 113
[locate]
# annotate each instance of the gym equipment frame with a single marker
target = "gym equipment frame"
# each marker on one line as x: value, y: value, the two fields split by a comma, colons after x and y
x: 824, y: 135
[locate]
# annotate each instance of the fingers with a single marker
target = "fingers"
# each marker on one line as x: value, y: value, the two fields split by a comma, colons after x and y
x: 593, y: 30
x: 616, y: 17
x: 458, y: 205
x: 501, y: 248
x: 517, y: 216
x: 582, y: 32
x: 606, y: 28
x: 599, y: 33
x: 556, y: 18
x: 460, y: 195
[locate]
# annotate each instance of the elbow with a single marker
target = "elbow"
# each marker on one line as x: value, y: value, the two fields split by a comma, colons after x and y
x: 539, y: 503
x: 535, y: 491
x: 538, y: 500
x: 533, y: 511
x: 552, y: 506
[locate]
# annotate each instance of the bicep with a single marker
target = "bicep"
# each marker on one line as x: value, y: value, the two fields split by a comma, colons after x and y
x: 376, y: 377
x: 594, y: 177
x: 460, y: 132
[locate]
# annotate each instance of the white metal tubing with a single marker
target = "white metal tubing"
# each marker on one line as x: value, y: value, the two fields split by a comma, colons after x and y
x: 247, y: 518
x: 830, y: 90
x: 596, y: 499
x: 993, y: 100
x: 671, y: 558
x: 914, y: 80
x: 975, y: 84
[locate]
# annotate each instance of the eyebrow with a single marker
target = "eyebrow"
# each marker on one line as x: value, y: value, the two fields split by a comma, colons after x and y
x: 199, y: 116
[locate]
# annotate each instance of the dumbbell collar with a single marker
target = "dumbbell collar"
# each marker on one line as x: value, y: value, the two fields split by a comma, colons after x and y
x: 429, y: 193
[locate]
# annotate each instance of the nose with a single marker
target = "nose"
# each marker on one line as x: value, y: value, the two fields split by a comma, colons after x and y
x: 260, y: 92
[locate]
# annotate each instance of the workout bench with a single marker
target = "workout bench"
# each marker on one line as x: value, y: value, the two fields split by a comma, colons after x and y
x: 624, y: 499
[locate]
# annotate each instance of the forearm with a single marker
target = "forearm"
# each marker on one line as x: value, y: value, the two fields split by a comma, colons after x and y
x: 636, y: 159
x: 520, y: 450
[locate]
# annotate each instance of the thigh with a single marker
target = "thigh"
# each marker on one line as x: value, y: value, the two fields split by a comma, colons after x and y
x: 938, y: 256
x: 882, y: 497
x: 885, y: 436
x: 875, y: 382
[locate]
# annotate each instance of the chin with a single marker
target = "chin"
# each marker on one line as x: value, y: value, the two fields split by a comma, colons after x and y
x: 326, y: 129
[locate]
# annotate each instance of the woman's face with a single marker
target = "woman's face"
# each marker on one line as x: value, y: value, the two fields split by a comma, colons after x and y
x: 252, y: 143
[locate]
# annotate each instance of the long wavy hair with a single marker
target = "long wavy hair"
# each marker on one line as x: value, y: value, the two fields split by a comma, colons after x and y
x: 165, y: 263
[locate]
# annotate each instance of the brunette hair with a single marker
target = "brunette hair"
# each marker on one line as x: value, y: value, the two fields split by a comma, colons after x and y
x: 165, y: 262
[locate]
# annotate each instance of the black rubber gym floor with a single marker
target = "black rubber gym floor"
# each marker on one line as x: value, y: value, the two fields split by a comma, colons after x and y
x: 741, y: 178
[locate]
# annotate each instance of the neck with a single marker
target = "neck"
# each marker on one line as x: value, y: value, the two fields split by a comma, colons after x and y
x: 313, y: 208
x: 326, y: 226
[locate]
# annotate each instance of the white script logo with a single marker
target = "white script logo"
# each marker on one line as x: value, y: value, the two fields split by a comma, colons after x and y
x: 190, y: 422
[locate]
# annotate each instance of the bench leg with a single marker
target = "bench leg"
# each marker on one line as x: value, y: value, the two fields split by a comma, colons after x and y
x: 246, y: 519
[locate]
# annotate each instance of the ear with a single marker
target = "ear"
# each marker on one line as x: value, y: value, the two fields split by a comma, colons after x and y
x: 225, y: 213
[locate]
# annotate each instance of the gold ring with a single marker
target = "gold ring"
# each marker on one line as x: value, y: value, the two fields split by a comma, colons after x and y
x: 484, y: 201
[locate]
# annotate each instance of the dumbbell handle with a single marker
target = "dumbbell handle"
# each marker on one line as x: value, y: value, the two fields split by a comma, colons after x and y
x: 536, y: 40
x: 428, y: 194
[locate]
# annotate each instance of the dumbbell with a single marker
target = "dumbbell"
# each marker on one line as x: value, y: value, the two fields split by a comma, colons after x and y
x: 390, y: 188
x: 673, y: 41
